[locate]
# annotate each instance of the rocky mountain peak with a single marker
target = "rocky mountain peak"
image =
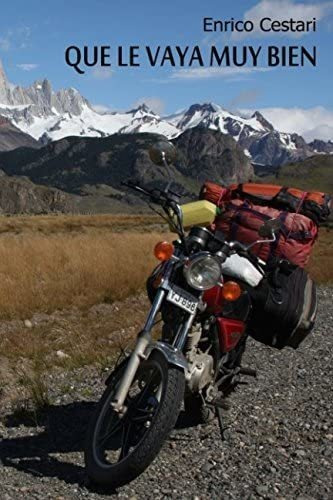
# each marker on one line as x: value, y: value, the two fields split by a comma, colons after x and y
x: 143, y: 109
x: 262, y: 120
x: 320, y: 146
x: 42, y: 97
x: 3, y: 84
x: 209, y: 154
x: 3, y: 77
x: 206, y: 107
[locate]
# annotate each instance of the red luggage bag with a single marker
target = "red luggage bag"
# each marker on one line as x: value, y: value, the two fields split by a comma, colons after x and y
x: 241, y: 221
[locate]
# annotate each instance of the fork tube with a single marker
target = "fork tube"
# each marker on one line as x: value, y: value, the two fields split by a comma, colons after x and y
x: 139, y: 351
x: 182, y: 335
x: 154, y: 310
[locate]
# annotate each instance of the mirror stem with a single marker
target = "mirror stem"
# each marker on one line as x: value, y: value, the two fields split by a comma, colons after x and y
x: 272, y: 240
x: 165, y: 163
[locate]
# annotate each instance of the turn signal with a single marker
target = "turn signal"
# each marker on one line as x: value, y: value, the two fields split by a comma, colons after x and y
x: 231, y: 291
x: 163, y: 250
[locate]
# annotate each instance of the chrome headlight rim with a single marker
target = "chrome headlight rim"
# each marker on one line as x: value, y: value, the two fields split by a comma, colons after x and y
x: 201, y: 256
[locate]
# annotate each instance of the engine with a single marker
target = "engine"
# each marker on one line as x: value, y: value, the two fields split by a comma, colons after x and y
x: 201, y: 364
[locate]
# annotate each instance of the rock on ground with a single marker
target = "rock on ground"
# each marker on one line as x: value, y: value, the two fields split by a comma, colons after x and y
x: 280, y: 444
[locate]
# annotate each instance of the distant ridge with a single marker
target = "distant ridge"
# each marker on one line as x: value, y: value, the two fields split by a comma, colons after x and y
x: 49, y: 115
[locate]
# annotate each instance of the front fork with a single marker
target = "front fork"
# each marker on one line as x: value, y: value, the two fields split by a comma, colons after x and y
x: 172, y: 353
x: 144, y: 339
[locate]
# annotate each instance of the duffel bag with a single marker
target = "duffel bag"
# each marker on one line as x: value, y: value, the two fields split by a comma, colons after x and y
x: 241, y: 221
x: 313, y: 204
x: 284, y: 307
x: 215, y: 193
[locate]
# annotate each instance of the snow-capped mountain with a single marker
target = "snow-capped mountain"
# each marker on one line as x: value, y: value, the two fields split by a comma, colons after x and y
x: 39, y: 97
x: 88, y: 123
x: 49, y: 115
x: 255, y: 134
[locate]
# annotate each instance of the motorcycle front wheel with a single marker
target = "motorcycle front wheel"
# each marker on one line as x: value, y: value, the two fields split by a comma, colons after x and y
x: 119, y: 448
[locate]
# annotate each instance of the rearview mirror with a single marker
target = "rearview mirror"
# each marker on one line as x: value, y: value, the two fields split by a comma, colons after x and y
x: 270, y: 227
x: 163, y: 152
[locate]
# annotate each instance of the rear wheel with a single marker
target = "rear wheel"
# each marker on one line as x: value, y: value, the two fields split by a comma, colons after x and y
x: 119, y: 448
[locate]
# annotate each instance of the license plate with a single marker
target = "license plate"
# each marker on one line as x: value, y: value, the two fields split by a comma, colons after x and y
x: 182, y: 299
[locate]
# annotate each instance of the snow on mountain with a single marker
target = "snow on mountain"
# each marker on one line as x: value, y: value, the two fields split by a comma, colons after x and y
x: 215, y: 117
x: 248, y: 132
x: 49, y: 115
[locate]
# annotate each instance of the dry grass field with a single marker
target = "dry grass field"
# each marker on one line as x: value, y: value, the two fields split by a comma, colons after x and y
x: 77, y: 280
x: 53, y: 270
x: 321, y: 263
x: 45, y: 273
x: 49, y: 263
x: 72, y: 224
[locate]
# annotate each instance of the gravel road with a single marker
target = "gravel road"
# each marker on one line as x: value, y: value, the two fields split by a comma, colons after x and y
x: 280, y: 443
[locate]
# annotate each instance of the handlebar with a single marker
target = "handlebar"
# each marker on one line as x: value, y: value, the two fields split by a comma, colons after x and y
x: 165, y: 197
x: 169, y: 200
x: 137, y: 187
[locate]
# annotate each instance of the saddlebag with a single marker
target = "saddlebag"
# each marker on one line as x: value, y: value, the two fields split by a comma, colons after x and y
x: 241, y: 221
x: 284, y: 307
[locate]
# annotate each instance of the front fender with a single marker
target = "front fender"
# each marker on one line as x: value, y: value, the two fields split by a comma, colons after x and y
x: 172, y: 355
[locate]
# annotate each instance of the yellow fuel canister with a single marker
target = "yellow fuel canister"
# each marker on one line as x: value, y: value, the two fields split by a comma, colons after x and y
x: 198, y: 213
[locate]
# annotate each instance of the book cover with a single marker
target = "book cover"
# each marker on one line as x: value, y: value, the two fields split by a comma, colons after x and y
x: 113, y: 114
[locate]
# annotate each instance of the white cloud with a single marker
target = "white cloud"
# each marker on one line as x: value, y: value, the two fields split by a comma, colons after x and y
x: 323, y: 131
x: 102, y: 73
x: 27, y: 67
x: 101, y: 108
x: 154, y: 103
x: 312, y: 123
x: 205, y: 73
x: 283, y: 10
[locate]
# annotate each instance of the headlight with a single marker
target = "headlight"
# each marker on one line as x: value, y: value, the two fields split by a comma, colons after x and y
x: 203, y: 271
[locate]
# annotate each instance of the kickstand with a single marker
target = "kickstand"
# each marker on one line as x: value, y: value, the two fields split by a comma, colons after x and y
x: 220, y: 419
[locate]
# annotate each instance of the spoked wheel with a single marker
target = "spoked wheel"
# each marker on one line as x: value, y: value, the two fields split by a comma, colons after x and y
x: 119, y: 448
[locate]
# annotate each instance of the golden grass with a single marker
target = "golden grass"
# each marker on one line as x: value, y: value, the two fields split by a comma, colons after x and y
x: 44, y: 273
x: 55, y: 224
x: 54, y: 262
x: 321, y: 263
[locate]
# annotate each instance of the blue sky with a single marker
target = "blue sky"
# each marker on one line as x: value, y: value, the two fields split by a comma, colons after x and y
x: 35, y: 34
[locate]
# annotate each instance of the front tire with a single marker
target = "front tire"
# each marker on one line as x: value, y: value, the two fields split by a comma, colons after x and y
x: 152, y: 413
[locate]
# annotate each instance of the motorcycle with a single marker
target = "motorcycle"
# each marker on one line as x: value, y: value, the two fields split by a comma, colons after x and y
x: 196, y: 362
